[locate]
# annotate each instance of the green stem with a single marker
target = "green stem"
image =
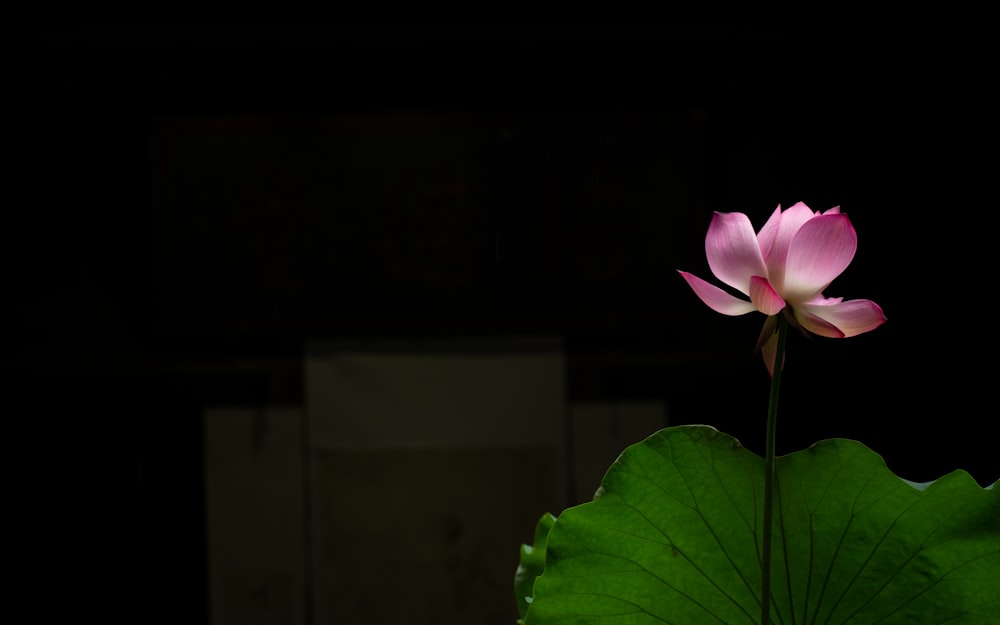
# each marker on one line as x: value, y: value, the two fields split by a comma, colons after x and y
x: 769, y: 477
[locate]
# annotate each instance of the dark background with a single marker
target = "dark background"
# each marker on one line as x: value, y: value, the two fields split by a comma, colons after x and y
x: 106, y: 386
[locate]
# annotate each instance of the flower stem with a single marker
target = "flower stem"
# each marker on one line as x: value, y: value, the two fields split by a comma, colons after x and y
x: 769, y: 476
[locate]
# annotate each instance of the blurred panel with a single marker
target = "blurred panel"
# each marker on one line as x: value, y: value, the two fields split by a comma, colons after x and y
x: 255, y: 521
x: 427, y: 536
x: 432, y: 462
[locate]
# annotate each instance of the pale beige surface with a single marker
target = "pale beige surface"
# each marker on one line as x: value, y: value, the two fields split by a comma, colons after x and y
x: 436, y: 394
x: 427, y: 536
x: 433, y: 461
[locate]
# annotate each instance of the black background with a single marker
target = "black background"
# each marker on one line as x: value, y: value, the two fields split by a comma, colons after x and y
x: 898, y: 127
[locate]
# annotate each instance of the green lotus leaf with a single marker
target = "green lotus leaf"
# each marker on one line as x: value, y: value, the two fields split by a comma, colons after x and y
x: 531, y: 564
x: 673, y: 536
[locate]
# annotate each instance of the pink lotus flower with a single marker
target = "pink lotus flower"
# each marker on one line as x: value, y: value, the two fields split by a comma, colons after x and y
x: 785, y: 267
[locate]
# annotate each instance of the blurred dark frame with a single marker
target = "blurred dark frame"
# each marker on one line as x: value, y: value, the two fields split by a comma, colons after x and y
x: 423, y: 223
